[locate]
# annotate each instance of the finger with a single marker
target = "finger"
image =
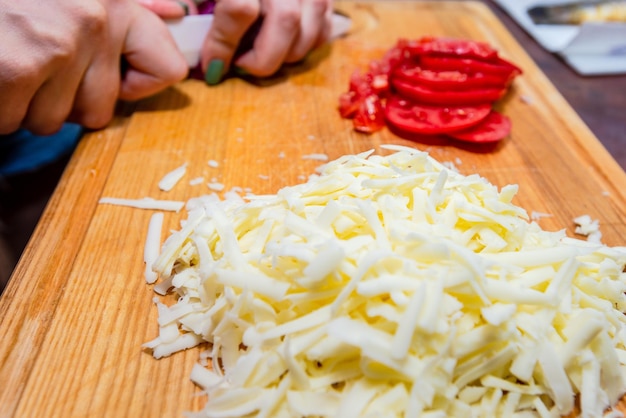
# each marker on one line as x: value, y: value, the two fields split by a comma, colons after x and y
x: 325, y: 33
x: 315, y: 25
x: 16, y: 93
x: 52, y: 103
x: 97, y: 92
x: 192, y: 7
x: 231, y: 19
x: 154, y: 62
x: 170, y: 9
x: 280, y: 28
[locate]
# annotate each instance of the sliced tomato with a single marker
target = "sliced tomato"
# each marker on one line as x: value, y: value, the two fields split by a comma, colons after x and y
x: 448, y: 79
x: 432, y: 87
x: 423, y: 94
x: 493, y: 128
x: 449, y: 46
x: 362, y: 85
x: 370, y: 116
x: 424, y: 119
x: 384, y: 65
x: 348, y: 104
x: 497, y: 67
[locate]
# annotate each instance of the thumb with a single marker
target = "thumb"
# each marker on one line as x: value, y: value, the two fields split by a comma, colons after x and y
x: 153, y: 60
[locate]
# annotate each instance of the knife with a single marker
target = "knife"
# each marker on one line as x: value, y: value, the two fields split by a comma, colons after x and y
x: 190, y: 31
x: 578, y: 12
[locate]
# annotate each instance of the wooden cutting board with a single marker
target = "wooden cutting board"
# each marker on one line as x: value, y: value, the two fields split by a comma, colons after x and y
x: 74, y: 317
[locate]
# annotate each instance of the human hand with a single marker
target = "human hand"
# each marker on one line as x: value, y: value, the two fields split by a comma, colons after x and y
x: 60, y: 60
x: 289, y: 30
x: 170, y: 9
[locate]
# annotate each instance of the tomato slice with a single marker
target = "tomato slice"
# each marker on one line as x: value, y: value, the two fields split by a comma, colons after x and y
x: 424, y: 119
x: 498, y: 67
x: 493, y: 128
x: 449, y: 46
x: 362, y: 85
x: 370, y: 116
x: 391, y: 59
x: 423, y: 94
x: 348, y: 104
x: 449, y: 79
x: 432, y: 87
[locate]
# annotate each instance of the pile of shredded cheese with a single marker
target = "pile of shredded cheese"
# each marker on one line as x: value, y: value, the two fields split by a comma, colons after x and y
x: 392, y: 286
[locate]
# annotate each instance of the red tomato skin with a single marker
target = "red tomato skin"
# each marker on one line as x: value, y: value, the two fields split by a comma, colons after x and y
x: 370, y: 117
x: 449, y: 79
x: 432, y: 87
x: 498, y: 67
x: 390, y: 60
x: 429, y: 120
x: 362, y: 85
x: 493, y: 128
x: 348, y: 104
x: 449, y: 46
x: 423, y: 94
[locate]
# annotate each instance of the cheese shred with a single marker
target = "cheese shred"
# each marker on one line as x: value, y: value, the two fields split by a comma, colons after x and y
x: 392, y: 286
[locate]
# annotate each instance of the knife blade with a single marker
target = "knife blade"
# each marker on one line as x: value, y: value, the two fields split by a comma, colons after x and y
x: 576, y: 13
x: 190, y: 31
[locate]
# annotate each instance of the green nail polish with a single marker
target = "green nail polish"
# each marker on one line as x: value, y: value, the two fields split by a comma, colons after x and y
x: 213, y: 73
x: 184, y: 6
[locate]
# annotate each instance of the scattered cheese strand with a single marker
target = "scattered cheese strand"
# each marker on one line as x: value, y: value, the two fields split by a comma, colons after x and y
x: 392, y: 286
x: 318, y: 157
x: 144, y: 203
x: 172, y: 178
x: 589, y: 228
x: 151, y: 248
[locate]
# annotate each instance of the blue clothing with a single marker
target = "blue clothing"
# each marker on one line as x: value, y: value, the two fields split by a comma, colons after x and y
x: 21, y: 151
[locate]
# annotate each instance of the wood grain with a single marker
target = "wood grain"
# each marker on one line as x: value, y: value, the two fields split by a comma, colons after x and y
x: 74, y: 317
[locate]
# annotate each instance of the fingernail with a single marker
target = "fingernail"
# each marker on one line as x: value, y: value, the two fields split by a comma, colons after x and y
x: 214, y: 71
x: 184, y: 6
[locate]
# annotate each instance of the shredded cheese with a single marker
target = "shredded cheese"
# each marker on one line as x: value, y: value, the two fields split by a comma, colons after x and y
x: 216, y: 186
x: 172, y: 178
x: 316, y: 157
x: 537, y: 216
x: 392, y: 286
x: 589, y: 228
x: 144, y: 203
x: 151, y: 248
